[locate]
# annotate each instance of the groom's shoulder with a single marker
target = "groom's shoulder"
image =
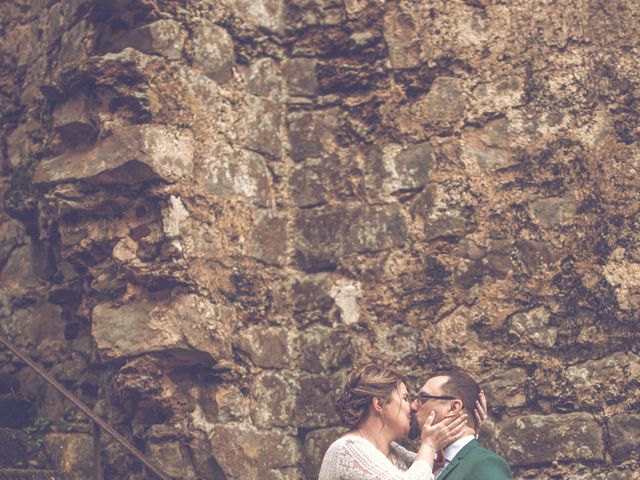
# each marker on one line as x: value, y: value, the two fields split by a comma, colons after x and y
x: 489, y: 461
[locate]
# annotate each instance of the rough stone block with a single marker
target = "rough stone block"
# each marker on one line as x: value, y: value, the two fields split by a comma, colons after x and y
x: 533, y: 327
x: 263, y: 121
x: 300, y: 74
x: 245, y: 175
x: 540, y: 439
x: 498, y: 96
x: 315, y: 445
x: 315, y: 404
x: 224, y: 403
x: 131, y: 155
x: 603, y: 381
x: 552, y: 211
x: 487, y: 148
x: 168, y: 457
x: 267, y: 347
x: 264, y: 79
x: 265, y: 14
x: 402, y: 37
x: 446, y: 209
x: 325, y: 236
x: 312, y: 135
x: 445, y: 102
x: 72, y: 121
x: 186, y: 323
x: 307, y: 184
x: 244, y: 452
x: 624, y: 431
x: 273, y: 400
x: 73, y: 45
x: 312, y: 292
x: 212, y: 51
x: 536, y: 254
x: 19, y: 145
x: 323, y: 349
x: 269, y: 239
x: 508, y: 389
x: 399, y: 169
x: 71, y: 453
x: 162, y: 37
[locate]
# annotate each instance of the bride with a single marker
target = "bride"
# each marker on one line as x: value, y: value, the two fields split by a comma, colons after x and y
x: 375, y: 407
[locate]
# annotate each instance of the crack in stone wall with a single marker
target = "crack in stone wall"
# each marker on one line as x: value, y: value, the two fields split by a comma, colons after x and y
x: 213, y: 209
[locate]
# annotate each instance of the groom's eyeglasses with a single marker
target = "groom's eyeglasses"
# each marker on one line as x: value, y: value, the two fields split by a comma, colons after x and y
x: 423, y: 397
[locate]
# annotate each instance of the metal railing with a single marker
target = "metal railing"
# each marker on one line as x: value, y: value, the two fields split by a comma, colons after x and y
x: 98, y: 423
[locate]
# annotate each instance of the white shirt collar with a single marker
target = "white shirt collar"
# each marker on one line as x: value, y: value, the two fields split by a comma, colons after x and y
x: 452, y: 450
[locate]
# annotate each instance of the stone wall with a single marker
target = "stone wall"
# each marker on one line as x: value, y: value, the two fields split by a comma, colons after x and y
x: 214, y: 208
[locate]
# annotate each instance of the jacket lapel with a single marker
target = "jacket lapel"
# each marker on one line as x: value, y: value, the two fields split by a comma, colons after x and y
x: 458, y: 458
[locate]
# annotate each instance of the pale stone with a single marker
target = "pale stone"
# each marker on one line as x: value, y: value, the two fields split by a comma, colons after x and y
x: 173, y: 216
x: 269, y: 239
x: 131, y: 155
x: 267, y: 14
x: 624, y: 276
x: 346, y: 295
x: 212, y: 51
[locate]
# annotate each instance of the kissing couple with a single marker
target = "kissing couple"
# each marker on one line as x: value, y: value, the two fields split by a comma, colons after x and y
x: 446, y: 414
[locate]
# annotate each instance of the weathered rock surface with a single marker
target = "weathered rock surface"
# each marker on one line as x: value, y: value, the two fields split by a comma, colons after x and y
x: 573, y: 436
x: 133, y: 155
x: 212, y: 210
x: 186, y: 323
x: 245, y: 452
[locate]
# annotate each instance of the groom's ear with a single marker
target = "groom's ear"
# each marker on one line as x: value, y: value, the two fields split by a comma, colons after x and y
x: 457, y: 406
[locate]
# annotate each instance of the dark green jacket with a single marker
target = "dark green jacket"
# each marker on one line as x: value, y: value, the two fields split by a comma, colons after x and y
x: 475, y: 463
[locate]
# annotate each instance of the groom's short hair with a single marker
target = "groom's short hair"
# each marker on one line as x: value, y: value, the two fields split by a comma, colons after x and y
x: 461, y: 385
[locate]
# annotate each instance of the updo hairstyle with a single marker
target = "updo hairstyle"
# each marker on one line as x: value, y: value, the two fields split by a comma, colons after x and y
x: 363, y: 384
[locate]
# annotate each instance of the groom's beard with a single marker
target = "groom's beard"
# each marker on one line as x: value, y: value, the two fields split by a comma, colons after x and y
x: 414, y: 428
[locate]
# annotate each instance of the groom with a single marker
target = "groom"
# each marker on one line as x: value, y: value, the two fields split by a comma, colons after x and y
x: 447, y: 393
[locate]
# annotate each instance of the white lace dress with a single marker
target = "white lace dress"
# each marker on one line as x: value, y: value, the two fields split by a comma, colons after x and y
x: 354, y: 458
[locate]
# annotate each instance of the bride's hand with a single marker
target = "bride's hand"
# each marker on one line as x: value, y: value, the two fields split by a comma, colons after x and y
x: 480, y: 411
x: 444, y: 433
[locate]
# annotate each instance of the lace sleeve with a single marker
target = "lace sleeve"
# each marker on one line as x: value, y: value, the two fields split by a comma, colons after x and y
x: 407, y: 456
x: 360, y: 460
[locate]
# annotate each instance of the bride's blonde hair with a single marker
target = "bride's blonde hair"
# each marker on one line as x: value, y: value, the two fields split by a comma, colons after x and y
x: 363, y: 384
